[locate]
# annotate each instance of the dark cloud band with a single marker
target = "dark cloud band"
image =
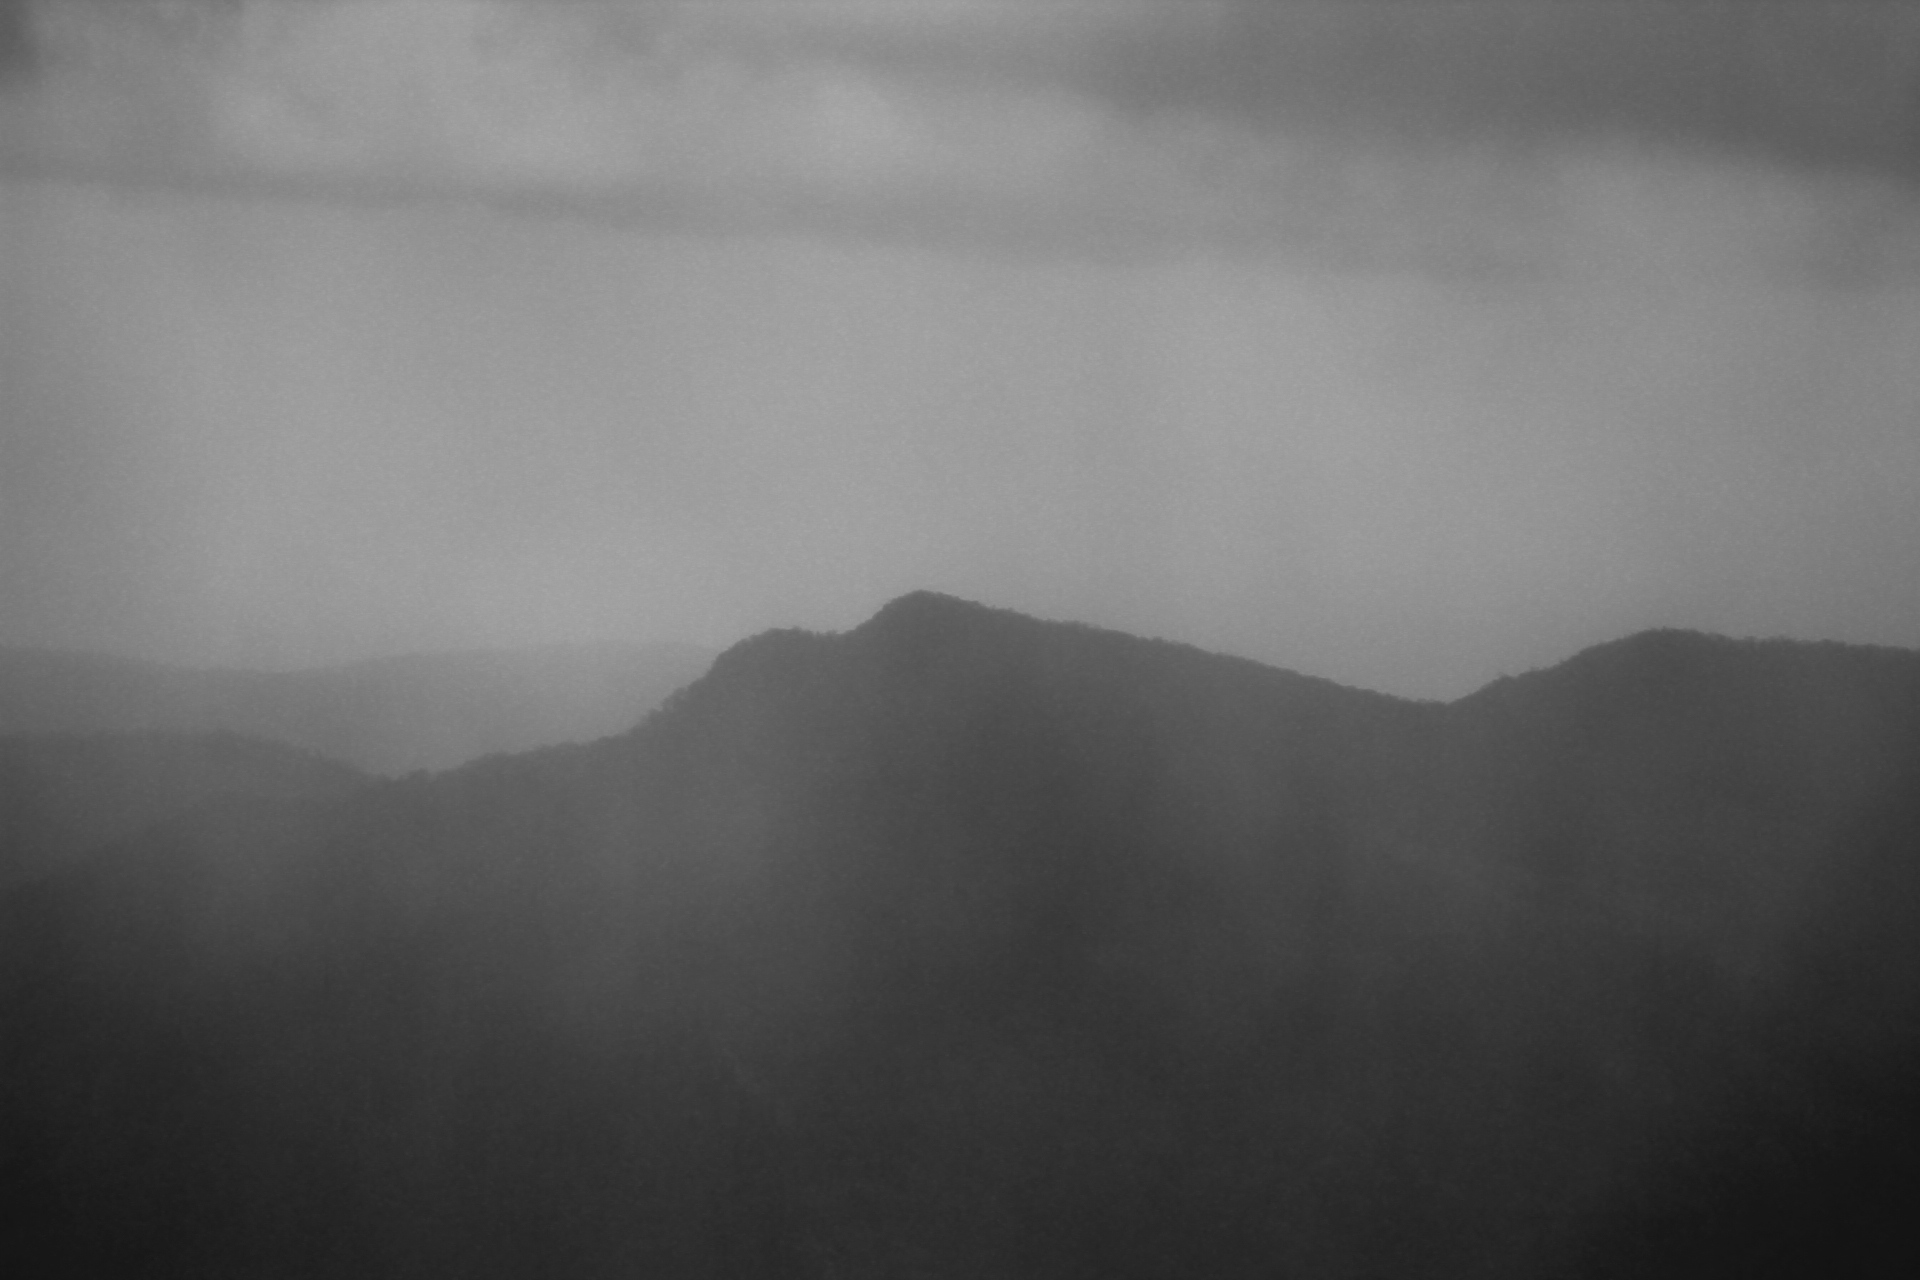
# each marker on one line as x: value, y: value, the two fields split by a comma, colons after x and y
x: 1370, y: 131
x: 1806, y: 84
x: 16, y: 41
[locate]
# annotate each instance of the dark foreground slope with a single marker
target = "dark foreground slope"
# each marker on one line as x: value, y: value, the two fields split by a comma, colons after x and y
x: 384, y: 715
x: 64, y: 795
x: 963, y: 944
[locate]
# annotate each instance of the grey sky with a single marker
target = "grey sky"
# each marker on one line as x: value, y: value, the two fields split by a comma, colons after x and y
x: 1405, y: 344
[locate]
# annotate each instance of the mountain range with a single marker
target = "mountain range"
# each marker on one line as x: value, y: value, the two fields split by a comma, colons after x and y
x: 382, y: 715
x: 965, y: 944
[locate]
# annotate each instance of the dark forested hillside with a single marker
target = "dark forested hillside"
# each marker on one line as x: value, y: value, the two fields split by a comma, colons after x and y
x: 966, y: 944
x: 62, y: 795
x: 385, y: 715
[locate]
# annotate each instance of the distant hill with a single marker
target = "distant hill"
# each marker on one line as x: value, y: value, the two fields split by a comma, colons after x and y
x: 966, y: 944
x: 62, y: 795
x: 387, y: 715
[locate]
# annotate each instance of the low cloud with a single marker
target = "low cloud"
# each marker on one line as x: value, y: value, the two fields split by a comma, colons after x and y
x: 586, y: 102
x: 1360, y: 134
x: 1806, y: 85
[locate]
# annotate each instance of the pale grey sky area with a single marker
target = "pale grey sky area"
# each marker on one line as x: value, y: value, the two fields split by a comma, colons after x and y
x: 1405, y: 344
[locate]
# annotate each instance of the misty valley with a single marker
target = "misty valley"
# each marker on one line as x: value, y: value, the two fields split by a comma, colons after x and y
x: 962, y: 944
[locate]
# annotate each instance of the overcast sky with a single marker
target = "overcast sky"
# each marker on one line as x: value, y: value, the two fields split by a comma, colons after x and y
x: 1406, y: 344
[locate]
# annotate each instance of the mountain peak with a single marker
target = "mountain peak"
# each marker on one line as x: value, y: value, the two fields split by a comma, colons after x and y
x: 918, y: 608
x: 922, y: 619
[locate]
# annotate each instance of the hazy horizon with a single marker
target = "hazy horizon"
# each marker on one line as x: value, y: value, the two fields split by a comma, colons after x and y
x: 539, y: 648
x: 1406, y: 346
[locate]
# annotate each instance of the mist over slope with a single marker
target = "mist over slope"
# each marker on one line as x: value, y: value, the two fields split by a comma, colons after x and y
x: 385, y: 715
x: 962, y: 943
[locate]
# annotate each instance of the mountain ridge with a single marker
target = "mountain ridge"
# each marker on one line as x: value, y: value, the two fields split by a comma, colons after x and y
x: 962, y: 942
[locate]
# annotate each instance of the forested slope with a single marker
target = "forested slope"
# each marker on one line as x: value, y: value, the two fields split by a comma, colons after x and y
x: 967, y: 944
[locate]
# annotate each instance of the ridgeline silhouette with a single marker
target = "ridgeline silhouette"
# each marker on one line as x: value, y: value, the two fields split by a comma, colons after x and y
x: 963, y: 943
